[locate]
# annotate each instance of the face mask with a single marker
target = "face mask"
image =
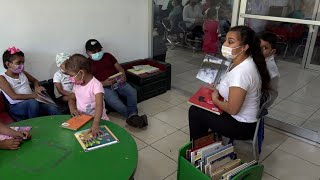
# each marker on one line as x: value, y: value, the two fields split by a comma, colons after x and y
x: 227, y: 52
x: 19, y: 69
x: 97, y: 56
x: 74, y: 81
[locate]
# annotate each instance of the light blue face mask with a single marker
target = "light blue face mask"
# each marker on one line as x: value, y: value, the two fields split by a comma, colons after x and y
x: 97, y: 56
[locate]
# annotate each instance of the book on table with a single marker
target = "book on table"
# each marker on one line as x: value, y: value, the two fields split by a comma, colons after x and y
x: 212, y: 69
x: 89, y: 143
x: 203, y: 99
x: 21, y: 128
x: 119, y: 80
x: 142, y: 69
x: 76, y: 122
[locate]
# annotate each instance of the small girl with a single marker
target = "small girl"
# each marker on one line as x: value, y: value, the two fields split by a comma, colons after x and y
x: 87, y: 96
x: 61, y: 79
x: 210, y: 28
x: 16, y: 88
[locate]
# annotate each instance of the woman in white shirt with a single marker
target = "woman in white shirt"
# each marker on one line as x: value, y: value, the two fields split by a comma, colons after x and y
x: 240, y: 87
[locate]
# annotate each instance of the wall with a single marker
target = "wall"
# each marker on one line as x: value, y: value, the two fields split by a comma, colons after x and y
x: 41, y: 29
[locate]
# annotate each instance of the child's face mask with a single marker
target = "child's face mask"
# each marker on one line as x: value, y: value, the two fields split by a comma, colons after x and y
x: 18, y: 69
x: 75, y: 81
x: 97, y: 56
x: 227, y: 52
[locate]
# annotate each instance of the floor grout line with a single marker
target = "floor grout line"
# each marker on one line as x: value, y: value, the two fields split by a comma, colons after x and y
x: 271, y: 175
x: 169, y: 175
x: 298, y: 157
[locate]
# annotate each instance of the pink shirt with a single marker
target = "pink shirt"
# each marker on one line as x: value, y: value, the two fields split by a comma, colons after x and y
x: 86, y: 100
x: 210, y: 42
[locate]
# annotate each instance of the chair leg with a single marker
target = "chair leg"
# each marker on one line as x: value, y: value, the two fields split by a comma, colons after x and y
x: 255, y: 150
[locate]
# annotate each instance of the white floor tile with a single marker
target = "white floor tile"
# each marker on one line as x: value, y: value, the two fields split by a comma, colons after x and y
x: 285, y: 117
x: 186, y: 130
x: 153, y: 165
x: 175, y: 117
x: 153, y: 106
x: 140, y: 144
x: 172, y: 177
x: 301, y: 149
x: 171, y: 144
x: 189, y: 76
x: 268, y: 177
x: 273, y: 139
x: 173, y: 97
x: 153, y: 132
x: 285, y: 166
x: 295, y: 108
x: 185, y: 106
x: 177, y: 82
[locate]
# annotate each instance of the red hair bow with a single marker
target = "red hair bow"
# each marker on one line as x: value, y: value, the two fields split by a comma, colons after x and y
x: 13, y: 50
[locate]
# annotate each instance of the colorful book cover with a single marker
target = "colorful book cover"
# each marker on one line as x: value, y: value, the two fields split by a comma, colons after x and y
x: 118, y: 81
x: 212, y: 69
x: 76, y: 122
x: 22, y: 128
x: 89, y: 143
x: 44, y: 97
x: 203, y: 99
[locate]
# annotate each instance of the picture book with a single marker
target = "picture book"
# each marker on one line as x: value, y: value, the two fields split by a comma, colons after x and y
x: 142, y: 69
x: 44, y: 97
x: 76, y: 122
x: 89, y: 143
x: 118, y: 78
x: 202, y: 99
x: 212, y: 69
x: 22, y: 128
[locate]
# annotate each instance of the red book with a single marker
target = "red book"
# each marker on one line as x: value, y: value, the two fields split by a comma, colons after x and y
x: 202, y: 99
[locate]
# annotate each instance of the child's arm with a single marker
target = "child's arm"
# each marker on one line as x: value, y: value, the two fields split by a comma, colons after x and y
x: 120, y: 69
x: 5, y: 86
x: 35, y: 82
x: 98, y: 114
x: 72, y: 105
x: 10, y: 132
x: 60, y: 89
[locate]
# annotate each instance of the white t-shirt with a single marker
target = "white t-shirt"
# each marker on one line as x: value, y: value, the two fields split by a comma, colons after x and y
x: 246, y: 76
x: 191, y: 13
x: 59, y: 77
x: 272, y: 67
x: 19, y: 86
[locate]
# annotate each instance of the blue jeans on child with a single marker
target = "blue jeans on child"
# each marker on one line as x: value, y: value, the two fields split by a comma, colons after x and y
x: 112, y: 99
x: 32, y: 108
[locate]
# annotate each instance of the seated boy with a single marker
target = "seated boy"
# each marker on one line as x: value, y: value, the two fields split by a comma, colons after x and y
x: 61, y: 79
x: 268, y: 43
x: 12, y: 144
x: 105, y: 65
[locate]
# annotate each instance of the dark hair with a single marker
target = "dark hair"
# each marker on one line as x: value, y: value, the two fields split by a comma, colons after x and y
x: 78, y: 62
x: 270, y: 37
x: 248, y: 36
x: 8, y: 57
x: 212, y: 12
x: 92, y: 45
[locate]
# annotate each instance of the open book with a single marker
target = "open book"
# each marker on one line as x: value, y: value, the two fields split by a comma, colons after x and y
x: 88, y: 142
x: 76, y: 122
x: 202, y: 99
x: 44, y: 97
x: 212, y: 69
x: 142, y: 69
x: 118, y: 80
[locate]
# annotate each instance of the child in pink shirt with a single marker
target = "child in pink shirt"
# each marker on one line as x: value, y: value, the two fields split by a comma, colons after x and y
x: 87, y: 96
x: 210, y: 28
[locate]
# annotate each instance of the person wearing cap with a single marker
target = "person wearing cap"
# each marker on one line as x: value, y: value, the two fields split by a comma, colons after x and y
x: 105, y: 65
x: 61, y: 79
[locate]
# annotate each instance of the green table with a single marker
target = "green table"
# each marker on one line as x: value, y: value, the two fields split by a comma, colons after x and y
x: 54, y: 153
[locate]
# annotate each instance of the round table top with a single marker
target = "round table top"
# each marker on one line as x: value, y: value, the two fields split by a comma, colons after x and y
x: 54, y: 153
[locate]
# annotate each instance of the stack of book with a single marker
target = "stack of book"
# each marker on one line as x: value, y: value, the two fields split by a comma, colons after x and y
x: 216, y: 160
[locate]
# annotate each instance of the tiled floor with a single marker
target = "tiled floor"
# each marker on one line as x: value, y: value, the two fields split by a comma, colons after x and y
x: 284, y: 156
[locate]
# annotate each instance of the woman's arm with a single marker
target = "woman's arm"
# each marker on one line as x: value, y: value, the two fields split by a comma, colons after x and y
x: 235, y: 101
x: 5, y: 86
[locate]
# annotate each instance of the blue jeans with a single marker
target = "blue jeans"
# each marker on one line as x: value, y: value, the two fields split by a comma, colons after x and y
x: 112, y: 99
x: 31, y: 108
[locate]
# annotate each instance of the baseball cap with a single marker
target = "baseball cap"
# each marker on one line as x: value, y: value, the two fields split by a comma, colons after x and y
x: 92, y: 44
x: 61, y: 58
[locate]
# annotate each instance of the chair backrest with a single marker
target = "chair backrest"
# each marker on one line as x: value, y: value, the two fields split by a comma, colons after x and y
x: 264, y: 103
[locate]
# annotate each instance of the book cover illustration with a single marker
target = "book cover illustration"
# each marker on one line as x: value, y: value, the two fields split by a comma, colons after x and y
x: 44, y: 97
x: 212, y: 69
x: 22, y: 128
x: 202, y: 99
x: 76, y: 122
x: 118, y: 78
x: 88, y: 142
